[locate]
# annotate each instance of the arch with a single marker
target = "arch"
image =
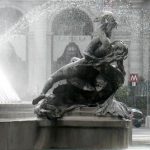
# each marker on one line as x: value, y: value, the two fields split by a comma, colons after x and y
x: 12, y: 5
x: 8, y: 17
x: 72, y: 21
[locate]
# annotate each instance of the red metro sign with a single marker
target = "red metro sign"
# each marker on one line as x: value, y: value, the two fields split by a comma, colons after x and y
x: 134, y: 78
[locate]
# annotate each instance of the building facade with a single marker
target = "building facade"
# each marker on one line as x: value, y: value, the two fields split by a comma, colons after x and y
x: 43, y: 36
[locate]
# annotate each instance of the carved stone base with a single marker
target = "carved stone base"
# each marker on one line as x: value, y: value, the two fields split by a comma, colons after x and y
x: 84, y: 132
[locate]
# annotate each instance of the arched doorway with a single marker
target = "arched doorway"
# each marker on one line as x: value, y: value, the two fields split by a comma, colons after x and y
x: 71, y: 50
x: 72, y: 22
x: 70, y: 25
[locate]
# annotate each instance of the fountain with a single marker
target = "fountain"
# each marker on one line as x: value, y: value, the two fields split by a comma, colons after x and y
x: 78, y: 125
x: 82, y: 103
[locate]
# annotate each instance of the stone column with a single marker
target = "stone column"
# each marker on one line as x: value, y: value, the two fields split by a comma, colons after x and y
x: 37, y: 55
x: 49, y: 53
x: 146, y: 54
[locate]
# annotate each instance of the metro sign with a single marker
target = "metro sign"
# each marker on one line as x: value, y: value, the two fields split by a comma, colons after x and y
x: 134, y: 78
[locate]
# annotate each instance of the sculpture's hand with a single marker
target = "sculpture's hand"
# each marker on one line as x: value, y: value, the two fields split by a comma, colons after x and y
x: 39, y: 98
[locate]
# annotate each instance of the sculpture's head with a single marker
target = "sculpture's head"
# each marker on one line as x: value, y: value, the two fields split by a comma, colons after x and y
x: 108, y: 22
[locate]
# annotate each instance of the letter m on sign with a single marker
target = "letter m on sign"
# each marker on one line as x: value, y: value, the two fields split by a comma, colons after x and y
x: 134, y: 78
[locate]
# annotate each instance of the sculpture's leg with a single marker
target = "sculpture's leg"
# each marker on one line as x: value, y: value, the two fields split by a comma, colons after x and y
x: 66, y: 72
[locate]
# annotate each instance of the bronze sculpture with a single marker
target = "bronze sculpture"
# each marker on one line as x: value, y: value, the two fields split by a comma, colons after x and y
x: 90, y: 81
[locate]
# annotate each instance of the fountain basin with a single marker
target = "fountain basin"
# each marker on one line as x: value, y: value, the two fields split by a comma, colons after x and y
x: 82, y: 132
x: 69, y: 132
x: 76, y: 130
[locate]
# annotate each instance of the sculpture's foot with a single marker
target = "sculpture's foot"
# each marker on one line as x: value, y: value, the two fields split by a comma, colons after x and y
x: 113, y: 108
x: 46, y: 110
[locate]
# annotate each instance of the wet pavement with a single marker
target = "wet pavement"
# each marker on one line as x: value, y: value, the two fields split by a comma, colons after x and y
x: 140, y: 139
x: 141, y: 136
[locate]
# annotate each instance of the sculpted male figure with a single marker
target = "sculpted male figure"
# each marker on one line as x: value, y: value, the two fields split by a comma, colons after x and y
x: 100, y: 43
x: 90, y: 80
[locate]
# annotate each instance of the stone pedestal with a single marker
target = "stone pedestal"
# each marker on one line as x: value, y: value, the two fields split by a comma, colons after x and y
x: 84, y: 132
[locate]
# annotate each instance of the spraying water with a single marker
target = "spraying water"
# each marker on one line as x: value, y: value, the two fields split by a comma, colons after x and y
x: 7, y: 93
x: 52, y: 6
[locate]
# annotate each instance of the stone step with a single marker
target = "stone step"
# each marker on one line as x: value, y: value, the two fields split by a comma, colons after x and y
x: 16, y: 107
x: 19, y: 110
x: 17, y: 114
